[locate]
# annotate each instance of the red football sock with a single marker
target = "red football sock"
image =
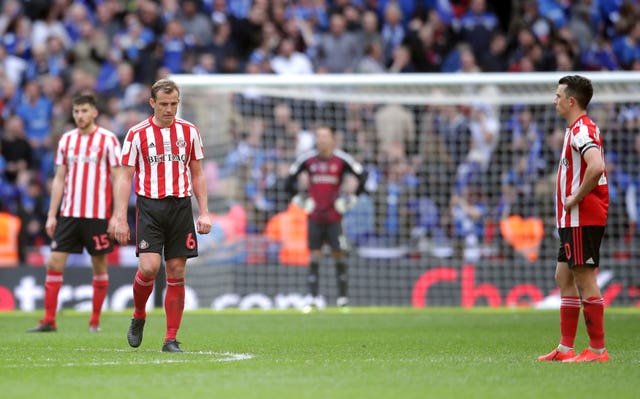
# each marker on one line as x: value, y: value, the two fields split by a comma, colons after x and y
x: 569, y: 316
x: 594, y: 319
x: 142, y: 287
x: 174, y: 306
x: 52, y: 284
x: 100, y: 286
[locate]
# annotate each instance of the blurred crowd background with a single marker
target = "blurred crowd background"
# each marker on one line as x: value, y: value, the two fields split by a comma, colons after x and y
x: 51, y: 50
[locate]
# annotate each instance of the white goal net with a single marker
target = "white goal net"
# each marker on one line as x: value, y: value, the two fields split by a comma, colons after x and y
x: 459, y: 209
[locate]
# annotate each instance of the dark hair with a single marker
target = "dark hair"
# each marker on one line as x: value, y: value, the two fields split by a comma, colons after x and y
x: 579, y: 88
x: 165, y: 86
x: 85, y: 99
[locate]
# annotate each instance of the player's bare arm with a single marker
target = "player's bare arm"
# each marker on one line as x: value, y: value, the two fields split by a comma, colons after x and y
x: 122, y: 192
x: 57, y: 189
x: 203, y: 223
x: 114, y: 171
x: 593, y: 173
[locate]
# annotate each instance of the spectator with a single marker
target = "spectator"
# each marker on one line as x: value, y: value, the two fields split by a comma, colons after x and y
x: 372, y: 62
x: 134, y: 39
x: 11, y: 11
x: 175, y: 46
x: 402, y: 61
x: 51, y: 26
x: 468, y: 211
x: 528, y: 138
x: 16, y: 149
x: 17, y: 37
x: 223, y: 44
x: 12, y: 66
x: 206, y: 65
x: 484, y: 127
x: 620, y: 195
x: 625, y: 46
x: 306, y: 10
x: 107, y: 76
x: 477, y: 26
x: 91, y: 48
x: 495, y: 59
x: 395, y: 131
x: 36, y: 112
x: 74, y: 16
x: 393, y: 31
x: 581, y: 26
x: 247, y: 32
x: 197, y: 26
x: 106, y: 21
x: 369, y: 32
x: 290, y: 62
x: 127, y: 89
x: 453, y: 127
x: 338, y: 50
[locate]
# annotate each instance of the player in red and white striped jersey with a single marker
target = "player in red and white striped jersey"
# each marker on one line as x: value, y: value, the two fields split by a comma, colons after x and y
x: 81, y: 197
x: 163, y: 156
x: 582, y: 202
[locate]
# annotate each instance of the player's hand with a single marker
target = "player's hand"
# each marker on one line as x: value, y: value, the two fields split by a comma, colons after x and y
x: 344, y: 203
x: 305, y: 203
x: 570, y: 202
x: 50, y: 225
x: 121, y: 231
x: 111, y: 229
x: 203, y: 224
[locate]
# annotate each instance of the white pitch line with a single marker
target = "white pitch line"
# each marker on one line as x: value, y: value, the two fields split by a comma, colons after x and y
x: 219, y: 358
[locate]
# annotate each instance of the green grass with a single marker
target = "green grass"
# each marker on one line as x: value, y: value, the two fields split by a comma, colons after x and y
x: 368, y: 353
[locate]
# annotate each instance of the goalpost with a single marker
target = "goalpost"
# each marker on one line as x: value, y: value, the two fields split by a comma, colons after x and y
x: 459, y: 209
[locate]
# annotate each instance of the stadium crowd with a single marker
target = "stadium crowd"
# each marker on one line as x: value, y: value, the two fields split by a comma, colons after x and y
x: 50, y: 50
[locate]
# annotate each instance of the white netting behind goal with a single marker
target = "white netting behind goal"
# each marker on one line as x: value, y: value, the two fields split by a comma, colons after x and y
x: 461, y: 168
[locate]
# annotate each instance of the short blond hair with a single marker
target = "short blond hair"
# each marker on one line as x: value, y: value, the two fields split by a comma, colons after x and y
x: 165, y: 86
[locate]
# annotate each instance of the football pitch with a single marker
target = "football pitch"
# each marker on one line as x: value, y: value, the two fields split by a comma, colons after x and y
x: 367, y: 353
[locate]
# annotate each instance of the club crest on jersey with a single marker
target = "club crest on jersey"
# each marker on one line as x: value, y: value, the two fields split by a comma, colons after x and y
x: 143, y: 245
x: 181, y: 143
x: 333, y: 168
x: 54, y: 244
x: 94, y: 148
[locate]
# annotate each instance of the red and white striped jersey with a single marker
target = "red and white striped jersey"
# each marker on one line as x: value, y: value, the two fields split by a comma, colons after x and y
x: 89, y: 158
x: 592, y: 210
x: 161, y: 157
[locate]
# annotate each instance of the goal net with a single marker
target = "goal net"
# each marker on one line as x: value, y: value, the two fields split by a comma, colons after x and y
x: 459, y: 207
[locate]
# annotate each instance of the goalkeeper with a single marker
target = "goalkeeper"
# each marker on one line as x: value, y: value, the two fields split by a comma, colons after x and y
x: 325, y: 204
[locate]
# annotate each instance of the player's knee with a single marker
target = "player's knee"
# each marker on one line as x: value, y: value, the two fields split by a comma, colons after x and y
x: 564, y: 281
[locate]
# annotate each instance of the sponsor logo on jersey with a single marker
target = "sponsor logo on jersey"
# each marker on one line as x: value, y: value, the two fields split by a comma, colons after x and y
x: 153, y: 159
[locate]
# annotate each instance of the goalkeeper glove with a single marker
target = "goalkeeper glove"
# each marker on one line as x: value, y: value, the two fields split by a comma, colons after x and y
x: 345, y: 202
x: 304, y: 202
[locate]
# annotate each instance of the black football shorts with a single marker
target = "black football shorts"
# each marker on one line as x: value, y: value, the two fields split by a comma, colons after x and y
x: 580, y: 246
x: 330, y: 233
x: 73, y: 234
x: 166, y: 225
